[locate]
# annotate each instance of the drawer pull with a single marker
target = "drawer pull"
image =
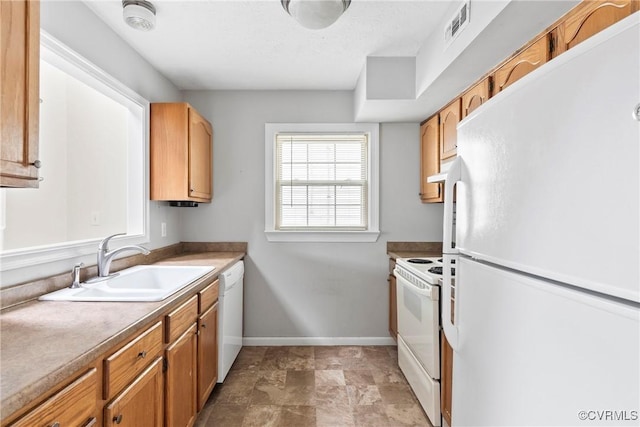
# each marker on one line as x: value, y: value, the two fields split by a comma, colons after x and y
x: 142, y: 354
x: 117, y: 419
x: 56, y: 424
x: 204, y: 325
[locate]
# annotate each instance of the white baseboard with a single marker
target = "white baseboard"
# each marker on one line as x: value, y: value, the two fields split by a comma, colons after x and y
x: 304, y: 341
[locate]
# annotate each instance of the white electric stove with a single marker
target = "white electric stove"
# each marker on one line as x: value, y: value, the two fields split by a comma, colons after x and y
x: 418, y: 296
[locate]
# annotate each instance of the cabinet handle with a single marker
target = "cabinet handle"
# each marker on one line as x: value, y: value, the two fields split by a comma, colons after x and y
x: 198, y: 333
x: 191, y: 190
x: 56, y: 424
x: 37, y: 164
x: 204, y: 325
x: 117, y: 419
x: 142, y: 354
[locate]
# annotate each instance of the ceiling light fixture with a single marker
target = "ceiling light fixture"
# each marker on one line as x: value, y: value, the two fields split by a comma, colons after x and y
x: 139, y: 14
x: 315, y: 14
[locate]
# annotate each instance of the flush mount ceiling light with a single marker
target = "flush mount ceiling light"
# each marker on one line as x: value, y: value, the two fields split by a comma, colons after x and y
x: 315, y: 14
x: 139, y: 14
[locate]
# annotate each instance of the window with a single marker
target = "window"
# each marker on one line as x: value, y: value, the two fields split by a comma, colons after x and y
x: 93, y: 139
x: 322, y: 182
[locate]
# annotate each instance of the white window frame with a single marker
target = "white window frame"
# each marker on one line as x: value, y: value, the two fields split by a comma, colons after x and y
x: 373, y: 191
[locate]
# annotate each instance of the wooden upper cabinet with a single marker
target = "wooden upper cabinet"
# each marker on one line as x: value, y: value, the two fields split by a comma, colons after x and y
x: 449, y: 118
x: 430, y: 160
x: 522, y: 64
x: 181, y: 154
x: 475, y: 97
x: 589, y: 18
x: 200, y: 137
x: 19, y: 83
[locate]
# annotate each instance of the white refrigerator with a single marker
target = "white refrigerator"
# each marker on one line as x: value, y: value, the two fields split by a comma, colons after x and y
x: 545, y: 244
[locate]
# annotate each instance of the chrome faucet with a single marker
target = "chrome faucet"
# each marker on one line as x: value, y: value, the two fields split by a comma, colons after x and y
x: 105, y: 256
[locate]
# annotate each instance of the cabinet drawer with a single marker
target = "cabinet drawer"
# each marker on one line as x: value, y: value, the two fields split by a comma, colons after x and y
x: 208, y: 296
x: 181, y: 318
x: 75, y: 405
x: 125, y: 364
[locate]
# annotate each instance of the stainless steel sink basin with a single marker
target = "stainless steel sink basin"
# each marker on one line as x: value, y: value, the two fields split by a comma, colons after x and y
x: 140, y: 283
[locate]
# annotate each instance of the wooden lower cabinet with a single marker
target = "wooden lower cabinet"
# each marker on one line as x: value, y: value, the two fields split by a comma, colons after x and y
x: 140, y: 404
x: 180, y: 380
x: 446, y: 378
x: 207, y: 354
x: 132, y: 384
x: 393, y: 308
x: 75, y: 405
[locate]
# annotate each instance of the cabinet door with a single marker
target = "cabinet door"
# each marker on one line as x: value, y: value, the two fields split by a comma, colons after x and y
x: 522, y: 64
x: 207, y: 354
x: 393, y: 308
x: 140, y: 404
x: 180, y: 385
x: 449, y: 118
x: 475, y: 97
x: 75, y: 405
x: 200, y: 161
x: 20, y: 83
x: 446, y: 378
x: 589, y: 18
x: 430, y: 160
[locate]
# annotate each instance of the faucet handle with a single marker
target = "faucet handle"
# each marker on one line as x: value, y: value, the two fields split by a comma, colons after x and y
x: 76, y: 275
x: 104, y: 244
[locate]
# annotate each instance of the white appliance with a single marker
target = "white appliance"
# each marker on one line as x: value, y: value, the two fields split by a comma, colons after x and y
x: 418, y: 298
x: 230, y: 317
x: 545, y: 333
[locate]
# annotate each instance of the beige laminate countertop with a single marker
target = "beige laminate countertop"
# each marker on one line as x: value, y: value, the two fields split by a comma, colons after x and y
x: 412, y: 254
x: 45, y: 342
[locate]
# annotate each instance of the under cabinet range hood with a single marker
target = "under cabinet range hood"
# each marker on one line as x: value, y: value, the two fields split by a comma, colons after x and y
x: 449, y: 170
x: 441, y: 177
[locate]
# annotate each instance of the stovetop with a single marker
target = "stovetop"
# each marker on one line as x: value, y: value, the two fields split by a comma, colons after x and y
x: 428, y: 269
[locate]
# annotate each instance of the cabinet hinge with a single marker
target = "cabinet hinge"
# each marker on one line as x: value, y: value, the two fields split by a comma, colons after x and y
x: 165, y: 364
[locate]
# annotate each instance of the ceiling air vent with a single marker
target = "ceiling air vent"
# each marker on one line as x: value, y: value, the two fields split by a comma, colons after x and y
x: 457, y: 23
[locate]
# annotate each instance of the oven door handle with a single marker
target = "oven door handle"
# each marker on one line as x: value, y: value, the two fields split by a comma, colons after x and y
x: 429, y: 291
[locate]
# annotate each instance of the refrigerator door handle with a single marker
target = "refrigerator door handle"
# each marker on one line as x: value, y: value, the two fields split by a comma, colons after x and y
x: 453, y: 175
x: 450, y: 330
x: 449, y: 251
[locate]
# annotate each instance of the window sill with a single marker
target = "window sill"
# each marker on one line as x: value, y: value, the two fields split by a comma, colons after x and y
x: 322, y: 236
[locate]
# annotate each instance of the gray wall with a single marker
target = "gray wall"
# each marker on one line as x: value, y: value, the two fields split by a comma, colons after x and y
x: 313, y: 290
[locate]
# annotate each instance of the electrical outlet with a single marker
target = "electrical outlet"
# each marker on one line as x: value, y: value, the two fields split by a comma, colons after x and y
x: 95, y: 218
x: 163, y: 229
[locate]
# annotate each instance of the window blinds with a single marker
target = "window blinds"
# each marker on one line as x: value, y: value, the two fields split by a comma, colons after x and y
x: 321, y: 181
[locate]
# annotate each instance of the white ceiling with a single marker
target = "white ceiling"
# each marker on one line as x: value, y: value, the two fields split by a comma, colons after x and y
x: 255, y: 44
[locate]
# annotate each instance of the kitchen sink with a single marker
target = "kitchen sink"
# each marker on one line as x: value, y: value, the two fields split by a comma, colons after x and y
x: 140, y: 283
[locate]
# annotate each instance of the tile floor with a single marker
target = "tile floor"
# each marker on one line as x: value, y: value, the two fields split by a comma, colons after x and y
x: 314, y: 386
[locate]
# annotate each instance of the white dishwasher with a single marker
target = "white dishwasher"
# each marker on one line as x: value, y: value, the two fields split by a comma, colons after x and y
x: 230, y: 317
